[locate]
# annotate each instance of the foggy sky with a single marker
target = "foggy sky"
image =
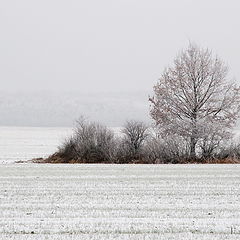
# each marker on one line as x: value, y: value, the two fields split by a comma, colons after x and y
x: 108, y: 45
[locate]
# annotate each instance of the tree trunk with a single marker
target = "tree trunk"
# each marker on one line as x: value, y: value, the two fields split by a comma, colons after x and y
x: 193, y: 143
x: 193, y: 140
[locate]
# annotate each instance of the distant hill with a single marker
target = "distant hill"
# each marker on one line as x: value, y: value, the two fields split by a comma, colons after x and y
x: 62, y: 109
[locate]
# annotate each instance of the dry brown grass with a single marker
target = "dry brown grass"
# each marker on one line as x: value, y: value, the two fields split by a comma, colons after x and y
x: 228, y: 160
x: 58, y: 158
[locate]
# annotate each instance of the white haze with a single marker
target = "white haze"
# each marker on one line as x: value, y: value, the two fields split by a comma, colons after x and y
x: 62, y: 109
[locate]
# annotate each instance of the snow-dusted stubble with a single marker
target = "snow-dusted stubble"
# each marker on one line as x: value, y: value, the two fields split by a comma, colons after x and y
x: 194, y: 99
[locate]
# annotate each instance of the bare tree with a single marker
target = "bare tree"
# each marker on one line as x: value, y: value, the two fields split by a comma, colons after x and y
x: 135, y: 133
x: 194, y: 98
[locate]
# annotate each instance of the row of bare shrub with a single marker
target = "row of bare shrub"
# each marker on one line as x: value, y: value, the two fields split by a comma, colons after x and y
x: 95, y: 143
x: 136, y: 143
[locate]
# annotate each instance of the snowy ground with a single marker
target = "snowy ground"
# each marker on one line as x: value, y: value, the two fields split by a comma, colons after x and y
x: 175, y: 202
x: 26, y: 143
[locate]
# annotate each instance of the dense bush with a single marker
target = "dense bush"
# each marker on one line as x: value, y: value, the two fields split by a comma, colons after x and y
x: 169, y: 150
x: 90, y: 143
x: 230, y: 152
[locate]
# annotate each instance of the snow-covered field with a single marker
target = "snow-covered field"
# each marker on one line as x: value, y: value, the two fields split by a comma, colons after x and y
x: 26, y: 143
x: 175, y: 202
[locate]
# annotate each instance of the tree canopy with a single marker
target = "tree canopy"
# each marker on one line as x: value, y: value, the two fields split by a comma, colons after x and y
x: 195, y: 99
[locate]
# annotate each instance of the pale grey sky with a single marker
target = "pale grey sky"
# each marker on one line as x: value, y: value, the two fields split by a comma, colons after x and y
x: 108, y: 45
